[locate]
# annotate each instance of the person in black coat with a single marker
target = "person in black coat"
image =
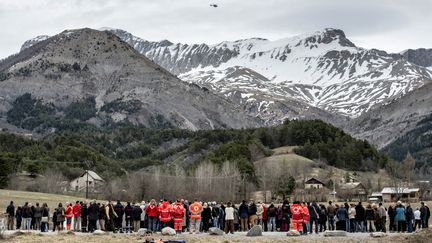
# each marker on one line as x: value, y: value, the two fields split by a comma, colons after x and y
x: 84, y: 217
x: 119, y: 210
x: 93, y: 212
x: 136, y: 216
x: 128, y: 217
x: 360, y: 217
x: 206, y: 217
x: 18, y: 216
x: 391, y: 213
x: 101, y: 216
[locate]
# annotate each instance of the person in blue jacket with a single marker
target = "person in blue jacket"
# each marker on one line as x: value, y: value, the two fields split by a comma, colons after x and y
x: 400, y: 219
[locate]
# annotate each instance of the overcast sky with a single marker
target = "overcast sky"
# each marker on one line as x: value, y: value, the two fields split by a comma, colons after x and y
x: 391, y: 25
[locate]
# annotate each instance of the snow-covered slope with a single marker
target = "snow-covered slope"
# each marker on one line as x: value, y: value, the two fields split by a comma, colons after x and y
x: 322, y: 69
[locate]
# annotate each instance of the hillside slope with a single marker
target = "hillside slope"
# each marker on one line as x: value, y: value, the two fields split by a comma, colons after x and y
x: 94, y: 77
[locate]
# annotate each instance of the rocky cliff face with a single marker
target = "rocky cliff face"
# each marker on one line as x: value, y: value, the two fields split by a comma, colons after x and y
x: 96, y: 77
x: 421, y: 56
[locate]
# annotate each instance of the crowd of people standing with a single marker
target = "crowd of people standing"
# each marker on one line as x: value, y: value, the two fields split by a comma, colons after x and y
x: 195, y: 217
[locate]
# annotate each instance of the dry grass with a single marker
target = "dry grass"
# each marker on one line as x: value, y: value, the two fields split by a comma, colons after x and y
x: 39, y: 238
x: 20, y: 197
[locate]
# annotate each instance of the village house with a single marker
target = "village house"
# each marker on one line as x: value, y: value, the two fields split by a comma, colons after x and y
x: 313, y: 183
x: 393, y: 194
x: 375, y: 197
x: 352, y: 191
x: 94, y: 182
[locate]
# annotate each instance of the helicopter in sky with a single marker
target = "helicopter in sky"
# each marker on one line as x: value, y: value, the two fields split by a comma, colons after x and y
x: 213, y: 5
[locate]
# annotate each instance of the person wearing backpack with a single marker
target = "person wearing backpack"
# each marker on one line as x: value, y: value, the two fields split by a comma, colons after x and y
x: 178, y: 214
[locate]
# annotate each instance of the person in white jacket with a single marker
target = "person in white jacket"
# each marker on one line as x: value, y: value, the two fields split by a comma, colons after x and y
x: 229, y: 218
x: 417, y: 219
x: 143, y: 214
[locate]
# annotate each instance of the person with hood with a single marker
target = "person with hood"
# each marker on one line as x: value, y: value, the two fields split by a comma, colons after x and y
x: 60, y: 214
x: 69, y: 215
x: 152, y: 212
x: 128, y: 217
x: 243, y: 212
x: 136, y: 216
x: 400, y: 219
x: 271, y: 213
x: 297, y: 216
x: 93, y: 211
x: 409, y: 217
x: 195, y: 218
x: 360, y: 217
x: 313, y: 217
x: 18, y: 216
x: 206, y: 217
x: 331, y: 212
x: 10, y: 211
x: 178, y: 214
x: 101, y: 216
x: 118, y: 221
x: 76, y: 210
x: 84, y: 216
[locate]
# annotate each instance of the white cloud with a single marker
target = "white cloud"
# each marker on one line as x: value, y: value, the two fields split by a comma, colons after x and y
x: 392, y: 25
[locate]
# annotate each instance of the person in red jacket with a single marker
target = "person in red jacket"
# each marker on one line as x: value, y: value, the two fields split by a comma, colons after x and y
x: 152, y: 212
x: 178, y: 214
x: 69, y: 215
x: 165, y: 214
x: 265, y: 217
x: 297, y: 216
x: 76, y: 210
x: 305, y: 217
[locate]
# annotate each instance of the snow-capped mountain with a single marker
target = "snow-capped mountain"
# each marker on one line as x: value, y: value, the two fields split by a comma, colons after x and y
x: 322, y: 69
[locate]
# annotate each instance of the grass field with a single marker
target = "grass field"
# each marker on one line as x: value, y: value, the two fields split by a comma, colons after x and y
x: 20, y: 197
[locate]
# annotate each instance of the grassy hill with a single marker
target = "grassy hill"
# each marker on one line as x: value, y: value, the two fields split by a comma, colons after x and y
x: 20, y: 197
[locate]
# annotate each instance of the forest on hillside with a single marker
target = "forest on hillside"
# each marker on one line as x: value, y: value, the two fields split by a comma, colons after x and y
x: 113, y: 151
